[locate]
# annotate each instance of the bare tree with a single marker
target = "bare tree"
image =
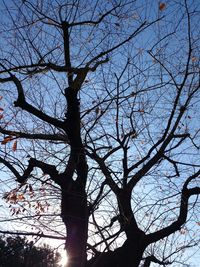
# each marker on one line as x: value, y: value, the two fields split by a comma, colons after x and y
x: 99, y: 116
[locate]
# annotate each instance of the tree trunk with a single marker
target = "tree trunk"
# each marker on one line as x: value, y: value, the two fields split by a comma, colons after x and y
x: 74, y: 200
x: 75, y: 218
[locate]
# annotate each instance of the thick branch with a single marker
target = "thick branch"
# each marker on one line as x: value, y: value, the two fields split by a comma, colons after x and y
x: 21, y: 102
x: 65, y: 28
x: 105, y: 171
x: 174, y: 163
x: 175, y: 226
x: 142, y: 27
x: 78, y: 81
x: 39, y: 68
x: 46, y: 168
x: 50, y: 137
x: 167, y: 135
x: 98, y: 198
x: 152, y: 258
x: 164, y: 141
x: 10, y: 167
x: 91, y: 22
x: 39, y: 234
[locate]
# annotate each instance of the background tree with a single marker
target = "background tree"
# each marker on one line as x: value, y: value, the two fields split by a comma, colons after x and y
x: 99, y: 114
x: 19, y: 252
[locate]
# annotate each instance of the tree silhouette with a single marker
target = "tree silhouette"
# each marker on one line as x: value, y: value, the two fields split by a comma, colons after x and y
x: 100, y: 104
x: 19, y: 252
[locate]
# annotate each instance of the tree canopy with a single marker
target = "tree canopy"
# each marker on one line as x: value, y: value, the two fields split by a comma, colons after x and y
x: 99, y: 113
x: 19, y: 252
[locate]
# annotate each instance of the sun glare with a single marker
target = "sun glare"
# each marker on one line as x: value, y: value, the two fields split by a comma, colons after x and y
x: 63, y: 260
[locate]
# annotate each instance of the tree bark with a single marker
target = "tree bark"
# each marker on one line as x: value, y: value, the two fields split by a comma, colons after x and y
x: 75, y: 218
x: 74, y: 208
x: 129, y: 255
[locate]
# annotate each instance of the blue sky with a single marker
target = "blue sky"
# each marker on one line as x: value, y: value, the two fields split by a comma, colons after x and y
x: 144, y: 76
